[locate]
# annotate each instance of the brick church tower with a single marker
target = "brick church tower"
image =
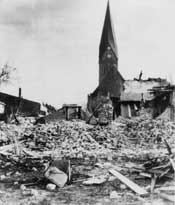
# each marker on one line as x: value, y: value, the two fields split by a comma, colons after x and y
x: 110, y: 80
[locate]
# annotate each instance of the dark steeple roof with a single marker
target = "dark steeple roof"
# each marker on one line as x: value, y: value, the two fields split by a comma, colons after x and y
x: 108, y: 35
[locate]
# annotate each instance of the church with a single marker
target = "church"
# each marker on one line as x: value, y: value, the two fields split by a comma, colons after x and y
x: 125, y: 96
x: 110, y: 79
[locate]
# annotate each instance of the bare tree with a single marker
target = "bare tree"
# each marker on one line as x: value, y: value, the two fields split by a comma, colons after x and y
x: 6, y: 73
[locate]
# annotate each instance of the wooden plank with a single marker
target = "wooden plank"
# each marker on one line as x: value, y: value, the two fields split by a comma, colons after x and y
x: 168, y: 188
x: 164, y: 173
x: 95, y: 180
x: 170, y: 153
x: 168, y: 147
x: 153, y: 182
x: 69, y: 172
x: 132, y: 185
x: 167, y: 197
x: 108, y: 165
x: 6, y: 148
x: 173, y: 163
x: 145, y: 174
x: 31, y: 153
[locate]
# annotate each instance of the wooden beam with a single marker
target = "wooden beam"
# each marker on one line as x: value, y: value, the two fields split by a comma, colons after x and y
x: 153, y: 182
x: 132, y: 185
x: 167, y: 197
x: 173, y: 163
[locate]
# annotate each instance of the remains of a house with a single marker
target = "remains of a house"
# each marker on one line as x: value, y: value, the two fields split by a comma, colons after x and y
x: 12, y: 105
x: 137, y: 95
x: 121, y: 150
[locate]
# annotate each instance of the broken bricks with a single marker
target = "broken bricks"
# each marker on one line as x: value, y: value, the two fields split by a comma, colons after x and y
x: 114, y: 195
x: 73, y: 139
x: 51, y: 187
x: 28, y: 192
x: 95, y: 180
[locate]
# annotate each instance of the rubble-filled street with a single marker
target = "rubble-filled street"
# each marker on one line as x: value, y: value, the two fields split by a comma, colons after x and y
x: 130, y: 161
x: 81, y: 121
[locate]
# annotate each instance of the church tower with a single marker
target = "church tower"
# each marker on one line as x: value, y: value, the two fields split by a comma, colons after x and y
x: 108, y: 54
x: 111, y: 82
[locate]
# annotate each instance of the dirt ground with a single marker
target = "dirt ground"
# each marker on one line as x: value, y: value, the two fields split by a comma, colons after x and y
x: 76, y: 192
x: 76, y: 195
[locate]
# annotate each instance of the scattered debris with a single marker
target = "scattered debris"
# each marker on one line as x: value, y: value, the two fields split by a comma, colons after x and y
x: 95, y: 180
x: 114, y: 195
x: 29, y: 192
x: 167, y: 197
x: 22, y: 187
x: 125, y: 153
x: 122, y: 186
x: 51, y: 187
x: 56, y: 176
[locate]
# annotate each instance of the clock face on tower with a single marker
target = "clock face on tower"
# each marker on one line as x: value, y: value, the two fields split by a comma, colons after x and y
x: 109, y: 55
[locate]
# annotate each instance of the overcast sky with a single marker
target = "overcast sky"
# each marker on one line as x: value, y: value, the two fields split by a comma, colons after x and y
x: 54, y: 44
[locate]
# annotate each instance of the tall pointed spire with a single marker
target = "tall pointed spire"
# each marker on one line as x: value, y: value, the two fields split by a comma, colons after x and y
x: 108, y: 35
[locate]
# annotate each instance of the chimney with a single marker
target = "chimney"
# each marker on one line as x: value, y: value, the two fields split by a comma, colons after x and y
x: 20, y: 91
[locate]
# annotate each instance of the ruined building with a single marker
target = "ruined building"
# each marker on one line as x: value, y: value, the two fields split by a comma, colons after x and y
x: 110, y: 79
x: 126, y: 96
x: 17, y: 105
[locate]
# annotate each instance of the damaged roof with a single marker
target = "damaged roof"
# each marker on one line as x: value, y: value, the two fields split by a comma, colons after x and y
x: 27, y: 107
x: 134, y: 89
x: 132, y: 96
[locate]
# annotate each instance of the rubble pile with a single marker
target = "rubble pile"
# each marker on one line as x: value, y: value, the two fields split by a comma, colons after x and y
x: 145, y: 131
x: 34, y: 154
x: 105, y: 113
x: 70, y: 139
x: 8, y: 132
x: 76, y: 139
